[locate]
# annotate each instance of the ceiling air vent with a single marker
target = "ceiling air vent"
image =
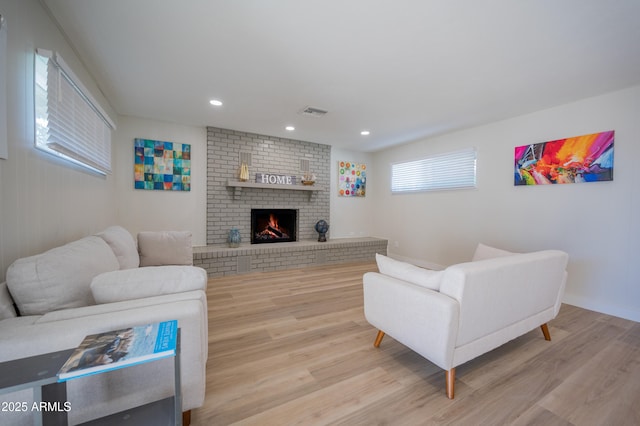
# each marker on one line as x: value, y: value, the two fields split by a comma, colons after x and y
x: 313, y: 111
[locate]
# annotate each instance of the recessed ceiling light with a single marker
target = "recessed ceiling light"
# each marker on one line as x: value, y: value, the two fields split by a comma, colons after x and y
x: 215, y: 102
x: 290, y: 128
x: 365, y: 133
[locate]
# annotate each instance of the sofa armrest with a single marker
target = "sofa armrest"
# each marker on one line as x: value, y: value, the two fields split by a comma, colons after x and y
x: 148, y: 281
x: 98, y: 395
x: 421, y: 319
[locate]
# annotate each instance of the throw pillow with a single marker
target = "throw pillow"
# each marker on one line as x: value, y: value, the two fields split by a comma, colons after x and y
x: 165, y: 248
x: 485, y: 252
x: 408, y: 272
x: 123, y: 246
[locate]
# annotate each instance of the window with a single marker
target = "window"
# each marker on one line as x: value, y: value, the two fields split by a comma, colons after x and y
x: 69, y: 122
x: 454, y: 170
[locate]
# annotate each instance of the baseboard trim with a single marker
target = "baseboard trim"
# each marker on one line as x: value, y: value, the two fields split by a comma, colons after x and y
x: 604, y: 308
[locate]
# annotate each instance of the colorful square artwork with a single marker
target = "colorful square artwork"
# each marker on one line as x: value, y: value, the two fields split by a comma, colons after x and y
x: 352, y: 179
x: 587, y: 158
x: 164, y: 166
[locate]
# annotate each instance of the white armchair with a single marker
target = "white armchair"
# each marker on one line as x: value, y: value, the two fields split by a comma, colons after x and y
x: 452, y: 316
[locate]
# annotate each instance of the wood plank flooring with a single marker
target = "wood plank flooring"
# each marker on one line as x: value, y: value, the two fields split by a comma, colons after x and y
x: 293, y: 348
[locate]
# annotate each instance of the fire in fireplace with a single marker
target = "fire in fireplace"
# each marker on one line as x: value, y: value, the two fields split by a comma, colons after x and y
x: 273, y: 225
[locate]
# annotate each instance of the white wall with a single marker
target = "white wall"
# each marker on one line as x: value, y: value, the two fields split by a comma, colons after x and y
x: 154, y: 210
x: 351, y: 217
x: 43, y: 201
x: 598, y: 224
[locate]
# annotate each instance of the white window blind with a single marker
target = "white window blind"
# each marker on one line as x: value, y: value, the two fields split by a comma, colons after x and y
x: 453, y: 170
x: 69, y: 122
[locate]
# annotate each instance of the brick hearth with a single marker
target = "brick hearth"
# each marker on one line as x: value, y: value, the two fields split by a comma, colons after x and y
x: 221, y: 260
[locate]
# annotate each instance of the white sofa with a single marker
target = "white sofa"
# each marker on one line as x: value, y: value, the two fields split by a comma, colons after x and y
x: 452, y: 316
x: 101, y: 283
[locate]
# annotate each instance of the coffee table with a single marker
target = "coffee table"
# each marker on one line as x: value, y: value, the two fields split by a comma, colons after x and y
x: 40, y: 374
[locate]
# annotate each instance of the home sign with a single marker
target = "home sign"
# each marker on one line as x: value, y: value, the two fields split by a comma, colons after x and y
x: 275, y: 179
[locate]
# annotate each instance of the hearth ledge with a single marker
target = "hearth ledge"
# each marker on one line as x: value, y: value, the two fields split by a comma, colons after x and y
x: 218, y: 260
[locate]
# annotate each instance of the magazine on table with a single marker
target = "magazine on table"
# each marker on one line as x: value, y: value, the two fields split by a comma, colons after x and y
x: 121, y: 348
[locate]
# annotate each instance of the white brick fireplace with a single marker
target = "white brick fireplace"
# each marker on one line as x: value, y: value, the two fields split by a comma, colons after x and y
x: 227, y: 208
x: 229, y: 205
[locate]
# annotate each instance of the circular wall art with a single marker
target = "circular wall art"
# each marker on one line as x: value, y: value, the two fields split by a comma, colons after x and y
x: 352, y: 179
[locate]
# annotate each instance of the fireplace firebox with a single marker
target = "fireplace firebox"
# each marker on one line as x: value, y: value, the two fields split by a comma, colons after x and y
x: 273, y: 225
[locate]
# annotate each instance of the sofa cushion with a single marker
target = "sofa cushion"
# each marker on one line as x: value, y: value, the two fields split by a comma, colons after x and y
x: 6, y: 303
x: 485, y: 252
x: 165, y: 248
x: 408, y: 272
x: 123, y: 246
x: 61, y: 277
x: 149, y: 281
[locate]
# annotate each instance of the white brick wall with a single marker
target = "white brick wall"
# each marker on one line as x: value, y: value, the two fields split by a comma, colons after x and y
x: 269, y: 154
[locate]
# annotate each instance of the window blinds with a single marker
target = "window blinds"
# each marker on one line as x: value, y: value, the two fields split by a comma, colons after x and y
x: 69, y: 122
x: 454, y: 170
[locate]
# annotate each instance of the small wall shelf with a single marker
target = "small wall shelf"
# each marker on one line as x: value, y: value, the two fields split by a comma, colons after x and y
x: 238, y: 185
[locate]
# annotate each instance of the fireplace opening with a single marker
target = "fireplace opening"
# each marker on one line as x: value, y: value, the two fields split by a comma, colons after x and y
x: 273, y: 225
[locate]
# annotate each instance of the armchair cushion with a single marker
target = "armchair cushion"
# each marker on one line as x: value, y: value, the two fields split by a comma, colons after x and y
x: 139, y: 283
x: 408, y: 272
x: 165, y: 248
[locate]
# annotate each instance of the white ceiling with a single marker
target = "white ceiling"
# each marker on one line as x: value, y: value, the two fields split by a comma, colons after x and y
x: 403, y: 69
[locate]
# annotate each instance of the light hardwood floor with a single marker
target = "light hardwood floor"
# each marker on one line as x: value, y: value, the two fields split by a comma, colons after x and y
x: 293, y: 347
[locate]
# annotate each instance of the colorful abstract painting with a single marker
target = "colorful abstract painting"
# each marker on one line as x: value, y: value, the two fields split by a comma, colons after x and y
x: 352, y: 179
x: 587, y: 158
x: 162, y: 165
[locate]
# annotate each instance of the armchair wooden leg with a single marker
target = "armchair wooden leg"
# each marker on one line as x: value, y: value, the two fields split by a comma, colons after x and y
x: 186, y: 418
x: 545, y: 331
x: 450, y: 381
x: 379, y: 337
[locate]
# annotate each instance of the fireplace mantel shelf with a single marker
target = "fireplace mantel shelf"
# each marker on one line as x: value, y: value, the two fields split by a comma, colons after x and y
x: 238, y: 185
